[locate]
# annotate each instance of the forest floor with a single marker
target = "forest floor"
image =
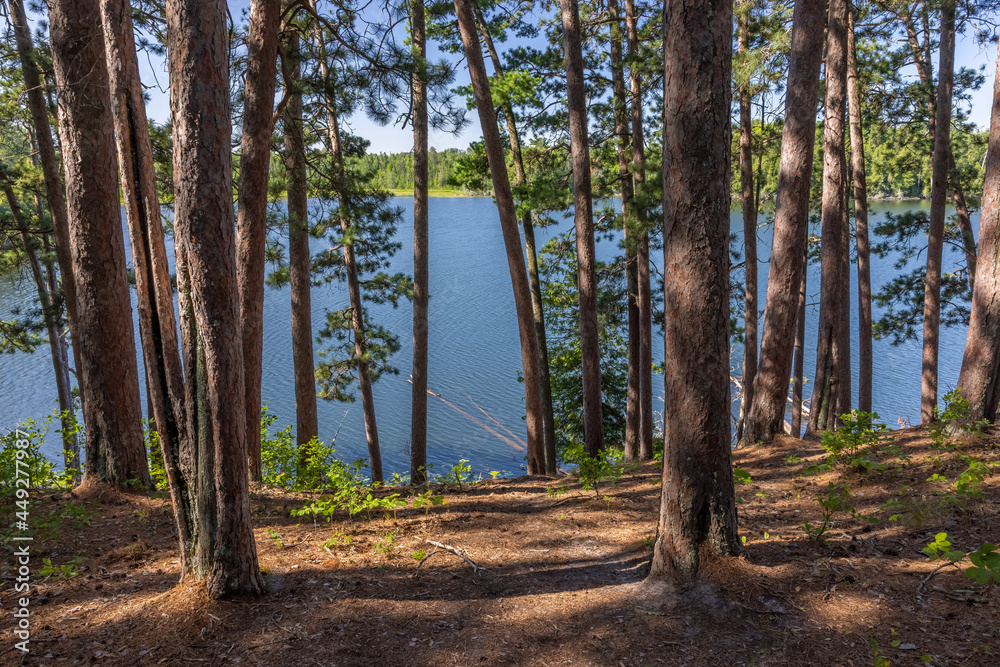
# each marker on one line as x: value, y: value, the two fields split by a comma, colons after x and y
x: 560, y: 577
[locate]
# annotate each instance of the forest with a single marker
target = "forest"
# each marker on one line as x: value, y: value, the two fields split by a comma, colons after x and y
x: 692, y: 249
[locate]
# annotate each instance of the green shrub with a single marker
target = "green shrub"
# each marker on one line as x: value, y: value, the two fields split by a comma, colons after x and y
x: 21, y: 457
x: 857, y: 443
x: 954, y: 419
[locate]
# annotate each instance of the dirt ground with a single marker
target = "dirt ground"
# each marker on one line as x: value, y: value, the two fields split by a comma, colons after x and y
x: 560, y: 577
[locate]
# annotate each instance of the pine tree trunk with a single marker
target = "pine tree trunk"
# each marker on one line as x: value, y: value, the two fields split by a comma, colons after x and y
x: 107, y: 371
x: 583, y: 214
x: 251, y: 219
x: 964, y: 223
x: 219, y: 538
x: 421, y: 272
x: 698, y: 506
x: 530, y: 363
x: 38, y: 107
x: 531, y: 256
x: 832, y: 386
x: 798, y: 356
x: 865, y: 371
x: 749, y: 235
x: 935, y: 237
x: 643, y: 293
x: 306, y: 426
x: 633, y: 408
x: 766, y: 416
x: 979, y: 380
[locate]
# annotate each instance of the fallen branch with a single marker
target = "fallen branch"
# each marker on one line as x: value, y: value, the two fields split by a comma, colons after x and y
x: 453, y: 550
x: 923, y: 582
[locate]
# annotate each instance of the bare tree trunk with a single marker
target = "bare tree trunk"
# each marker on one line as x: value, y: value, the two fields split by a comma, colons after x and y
x: 583, y: 214
x: 633, y: 407
x: 791, y: 218
x: 798, y: 355
x: 421, y: 272
x: 217, y: 534
x: 935, y: 237
x: 508, y: 221
x: 38, y: 107
x: 306, y: 421
x: 979, y: 380
x: 749, y: 235
x: 697, y: 506
x: 107, y: 372
x: 251, y: 219
x: 964, y: 222
x: 643, y: 293
x: 865, y: 371
x: 531, y: 256
x: 832, y: 386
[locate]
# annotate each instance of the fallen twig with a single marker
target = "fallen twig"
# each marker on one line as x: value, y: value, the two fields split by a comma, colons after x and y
x: 923, y: 582
x: 453, y: 550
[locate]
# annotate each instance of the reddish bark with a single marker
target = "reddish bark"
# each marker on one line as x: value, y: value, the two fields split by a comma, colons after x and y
x: 698, y: 507
x: 766, y: 416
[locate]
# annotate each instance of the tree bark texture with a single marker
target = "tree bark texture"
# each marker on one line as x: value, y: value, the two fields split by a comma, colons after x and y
x: 832, y: 385
x: 935, y: 236
x: 421, y: 249
x: 798, y: 357
x: 698, y: 507
x: 979, y: 379
x: 107, y: 371
x: 643, y: 294
x: 221, y: 546
x: 865, y: 362
x: 306, y: 420
x: 251, y: 219
x: 512, y: 242
x: 791, y: 224
x: 583, y: 215
x: 749, y: 235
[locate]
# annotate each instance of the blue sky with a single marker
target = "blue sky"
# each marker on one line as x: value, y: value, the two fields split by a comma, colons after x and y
x: 394, y: 139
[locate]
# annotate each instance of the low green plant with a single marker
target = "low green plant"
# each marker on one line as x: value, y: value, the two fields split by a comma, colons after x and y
x: 556, y: 491
x: 428, y: 499
x: 954, y: 419
x: 154, y: 454
x: 458, y: 473
x: 418, y: 555
x: 21, y: 458
x: 858, y: 442
x: 835, y: 499
x: 275, y: 537
x: 605, y: 467
x: 67, y: 571
x: 985, y: 560
x: 741, y: 476
x: 386, y: 544
x: 338, y: 540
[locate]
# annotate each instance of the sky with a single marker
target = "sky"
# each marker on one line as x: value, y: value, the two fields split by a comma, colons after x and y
x: 390, y: 139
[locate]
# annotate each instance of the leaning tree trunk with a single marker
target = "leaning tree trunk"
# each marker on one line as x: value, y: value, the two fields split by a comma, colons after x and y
x: 643, y: 293
x: 56, y: 203
x: 633, y: 400
x: 531, y: 256
x: 798, y: 355
x: 791, y: 219
x: 698, y: 504
x: 251, y: 219
x: 832, y: 386
x: 865, y: 371
x: 219, y: 546
x: 304, y: 368
x: 749, y: 234
x: 935, y: 236
x: 508, y: 222
x: 583, y: 215
x: 157, y: 324
x: 979, y: 380
x: 421, y: 272
x: 107, y: 371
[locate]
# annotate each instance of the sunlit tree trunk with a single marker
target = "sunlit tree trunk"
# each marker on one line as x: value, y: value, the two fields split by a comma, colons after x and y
x: 698, y: 505
x: 633, y: 400
x: 512, y: 243
x: 251, y: 219
x: 832, y: 384
x: 865, y: 371
x: 643, y: 293
x: 798, y: 356
x: 791, y: 219
x: 979, y: 380
x: 583, y: 215
x: 213, y: 490
x: 306, y: 425
x: 421, y: 248
x: 939, y: 194
x: 107, y: 371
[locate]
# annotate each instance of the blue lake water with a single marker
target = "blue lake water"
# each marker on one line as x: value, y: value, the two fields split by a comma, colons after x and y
x: 474, y: 351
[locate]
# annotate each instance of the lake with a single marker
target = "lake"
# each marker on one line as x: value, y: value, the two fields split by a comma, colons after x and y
x: 474, y: 354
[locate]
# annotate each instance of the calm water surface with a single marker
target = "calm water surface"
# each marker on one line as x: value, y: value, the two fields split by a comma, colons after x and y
x: 474, y: 356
